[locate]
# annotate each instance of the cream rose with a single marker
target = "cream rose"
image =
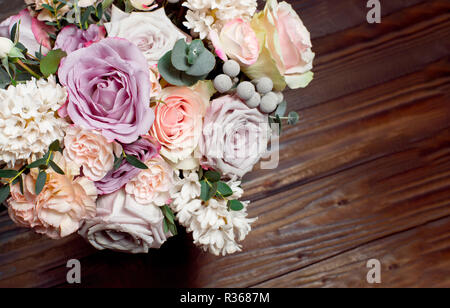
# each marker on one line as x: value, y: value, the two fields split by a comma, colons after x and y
x: 234, y: 136
x: 91, y: 151
x: 60, y: 208
x: 152, y: 32
x: 178, y: 120
x: 123, y: 224
x: 153, y: 185
x: 286, y: 56
x: 238, y: 41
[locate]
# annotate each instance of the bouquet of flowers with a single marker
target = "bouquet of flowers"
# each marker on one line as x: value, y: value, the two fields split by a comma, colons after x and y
x: 124, y: 119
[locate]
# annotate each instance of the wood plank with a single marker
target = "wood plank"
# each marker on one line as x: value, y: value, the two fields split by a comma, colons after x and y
x: 408, y: 259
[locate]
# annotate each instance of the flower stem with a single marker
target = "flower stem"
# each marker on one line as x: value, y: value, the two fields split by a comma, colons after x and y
x: 29, y: 70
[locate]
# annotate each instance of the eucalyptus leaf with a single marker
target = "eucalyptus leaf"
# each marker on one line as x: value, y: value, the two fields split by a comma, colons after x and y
x: 135, y: 162
x: 196, y: 48
x: 7, y: 174
x: 168, y: 71
x: 204, y: 192
x: 212, y: 176
x: 4, y: 193
x: 56, y: 168
x: 293, y: 118
x: 179, y: 55
x: 204, y: 64
x: 50, y: 63
x: 40, y: 182
x: 281, y: 109
x: 235, y: 205
x: 224, y: 189
x: 55, y: 146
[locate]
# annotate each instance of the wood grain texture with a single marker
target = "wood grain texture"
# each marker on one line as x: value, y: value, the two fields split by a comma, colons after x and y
x: 365, y: 174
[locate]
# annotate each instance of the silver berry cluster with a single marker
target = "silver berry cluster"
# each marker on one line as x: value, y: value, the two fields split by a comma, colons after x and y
x: 257, y: 93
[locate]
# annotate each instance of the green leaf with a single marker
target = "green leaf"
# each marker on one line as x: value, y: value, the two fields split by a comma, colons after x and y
x: 281, y: 109
x: 224, y: 189
x: 168, y: 71
x: 204, y: 193
x: 173, y: 229
x: 106, y: 4
x: 54, y: 146
x: 7, y: 174
x: 166, y: 227
x: 235, y: 205
x: 48, y: 7
x: 204, y: 64
x: 189, y: 80
x: 99, y: 11
x: 56, y: 167
x: 85, y: 16
x: 40, y: 182
x: 4, y: 193
x: 118, y: 162
x: 135, y: 162
x: 179, y: 56
x: 37, y: 163
x: 14, y: 33
x: 293, y: 118
x: 168, y: 214
x: 50, y: 63
x: 212, y: 176
x: 195, y: 49
x: 212, y: 190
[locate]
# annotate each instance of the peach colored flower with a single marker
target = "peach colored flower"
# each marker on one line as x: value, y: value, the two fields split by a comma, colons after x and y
x: 91, y: 151
x: 44, y: 14
x: 59, y: 209
x: 154, y: 184
x: 178, y: 120
x: 238, y: 41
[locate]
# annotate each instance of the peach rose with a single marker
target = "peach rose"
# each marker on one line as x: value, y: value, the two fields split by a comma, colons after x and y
x: 59, y: 209
x: 91, y: 151
x: 286, y: 56
x: 238, y: 41
x: 178, y: 120
x: 154, y: 184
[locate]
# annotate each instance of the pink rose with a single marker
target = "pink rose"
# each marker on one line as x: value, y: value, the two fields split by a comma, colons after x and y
x: 71, y: 38
x: 154, y: 184
x: 238, y: 41
x: 234, y: 136
x: 109, y: 89
x: 59, y: 209
x: 32, y: 32
x: 286, y: 56
x: 122, y: 224
x: 178, y: 120
x: 91, y: 151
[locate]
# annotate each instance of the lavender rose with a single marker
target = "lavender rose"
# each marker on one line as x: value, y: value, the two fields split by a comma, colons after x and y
x: 234, y: 136
x: 71, y: 38
x: 144, y: 149
x: 109, y: 89
x: 124, y: 225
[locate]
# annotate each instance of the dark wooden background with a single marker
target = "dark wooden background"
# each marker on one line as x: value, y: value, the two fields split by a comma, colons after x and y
x: 366, y: 174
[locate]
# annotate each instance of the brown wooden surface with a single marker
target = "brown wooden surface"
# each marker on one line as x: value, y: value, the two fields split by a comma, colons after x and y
x: 366, y: 174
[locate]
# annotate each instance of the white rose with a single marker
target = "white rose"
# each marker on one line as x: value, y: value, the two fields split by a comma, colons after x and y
x: 123, y: 224
x: 152, y: 32
x: 5, y: 47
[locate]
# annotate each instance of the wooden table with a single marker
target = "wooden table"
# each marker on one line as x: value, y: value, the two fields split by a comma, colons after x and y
x: 366, y: 173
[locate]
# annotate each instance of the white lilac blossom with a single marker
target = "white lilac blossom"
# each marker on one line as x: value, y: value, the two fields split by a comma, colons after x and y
x: 28, y: 120
x: 214, y: 228
x: 206, y: 15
